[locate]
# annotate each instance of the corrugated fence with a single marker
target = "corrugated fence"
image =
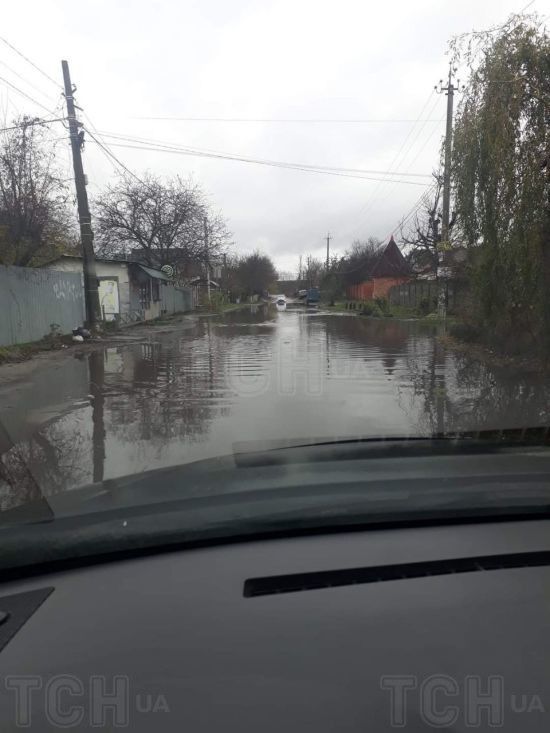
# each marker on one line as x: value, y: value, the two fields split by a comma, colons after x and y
x: 423, y: 294
x: 32, y: 299
x: 174, y: 299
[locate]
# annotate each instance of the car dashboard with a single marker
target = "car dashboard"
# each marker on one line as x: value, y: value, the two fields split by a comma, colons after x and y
x: 421, y: 627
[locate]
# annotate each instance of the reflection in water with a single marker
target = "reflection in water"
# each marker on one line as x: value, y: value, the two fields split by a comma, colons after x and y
x: 255, y: 374
x: 97, y: 394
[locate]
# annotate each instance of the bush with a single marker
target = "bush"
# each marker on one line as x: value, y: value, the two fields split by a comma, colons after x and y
x: 371, y: 308
x: 424, y: 306
x: 216, y: 302
x: 383, y: 306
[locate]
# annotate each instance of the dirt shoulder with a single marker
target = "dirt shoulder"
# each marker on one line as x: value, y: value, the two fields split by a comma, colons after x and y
x: 22, y: 360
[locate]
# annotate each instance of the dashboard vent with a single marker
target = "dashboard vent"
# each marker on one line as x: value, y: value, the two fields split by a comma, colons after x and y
x: 357, y: 576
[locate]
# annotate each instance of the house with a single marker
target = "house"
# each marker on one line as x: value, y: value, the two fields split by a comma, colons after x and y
x: 377, y: 275
x: 426, y: 266
x: 130, y: 291
x: 202, y: 289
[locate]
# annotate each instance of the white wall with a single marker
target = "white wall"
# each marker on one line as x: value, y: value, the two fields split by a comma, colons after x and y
x: 117, y: 270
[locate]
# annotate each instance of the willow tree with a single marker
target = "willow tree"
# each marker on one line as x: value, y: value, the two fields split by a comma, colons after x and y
x: 501, y: 176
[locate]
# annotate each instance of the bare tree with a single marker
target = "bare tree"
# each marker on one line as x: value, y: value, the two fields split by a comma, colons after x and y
x: 360, y: 249
x: 35, y: 221
x: 422, y: 234
x: 285, y: 275
x: 162, y: 220
x: 361, y: 255
x: 313, y: 270
x: 212, y: 236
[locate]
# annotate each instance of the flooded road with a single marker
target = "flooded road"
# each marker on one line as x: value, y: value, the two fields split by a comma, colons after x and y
x: 254, y: 374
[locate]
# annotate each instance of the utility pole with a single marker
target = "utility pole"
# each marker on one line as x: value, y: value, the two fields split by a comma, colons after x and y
x: 91, y: 293
x: 328, y: 249
x: 205, y: 223
x: 443, y: 245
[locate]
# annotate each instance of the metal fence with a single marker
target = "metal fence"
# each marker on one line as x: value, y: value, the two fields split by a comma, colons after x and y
x: 423, y: 294
x: 35, y: 301
x: 174, y: 299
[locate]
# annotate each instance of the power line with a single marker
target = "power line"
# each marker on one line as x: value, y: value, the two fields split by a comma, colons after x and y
x: 303, y: 120
x: 497, y: 28
x: 216, y: 153
x: 426, y: 141
x: 402, y: 153
x: 26, y: 81
x: 367, y: 206
x: 41, y: 71
x: 416, y: 206
x: 276, y: 164
x: 105, y: 149
x: 108, y: 152
x: 24, y: 94
x: 32, y: 122
x: 397, y: 160
x: 413, y: 161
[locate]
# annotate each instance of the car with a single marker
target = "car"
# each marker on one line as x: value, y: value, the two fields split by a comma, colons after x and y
x: 313, y: 296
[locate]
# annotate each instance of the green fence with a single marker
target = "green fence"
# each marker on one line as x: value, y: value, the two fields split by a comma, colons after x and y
x: 422, y: 295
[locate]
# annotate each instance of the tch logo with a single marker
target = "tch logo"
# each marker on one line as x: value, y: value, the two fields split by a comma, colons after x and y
x: 67, y: 701
x: 442, y: 701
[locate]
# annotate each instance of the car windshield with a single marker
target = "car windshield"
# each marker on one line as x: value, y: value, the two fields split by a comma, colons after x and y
x: 230, y: 228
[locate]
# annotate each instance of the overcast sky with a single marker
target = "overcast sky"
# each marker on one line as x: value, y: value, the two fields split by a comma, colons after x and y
x: 266, y: 59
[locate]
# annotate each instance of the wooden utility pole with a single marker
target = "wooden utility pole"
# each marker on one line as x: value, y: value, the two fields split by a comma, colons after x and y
x: 444, y: 245
x: 91, y: 294
x: 328, y: 249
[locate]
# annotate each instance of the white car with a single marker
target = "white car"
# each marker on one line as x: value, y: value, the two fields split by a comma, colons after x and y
x: 279, y: 299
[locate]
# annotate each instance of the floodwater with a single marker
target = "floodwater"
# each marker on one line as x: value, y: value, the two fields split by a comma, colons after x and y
x: 256, y: 374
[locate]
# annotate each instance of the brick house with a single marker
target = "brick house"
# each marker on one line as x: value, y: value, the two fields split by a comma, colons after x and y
x: 378, y: 275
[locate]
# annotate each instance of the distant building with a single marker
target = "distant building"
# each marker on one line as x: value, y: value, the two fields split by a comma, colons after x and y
x: 450, y: 267
x: 130, y: 291
x: 185, y: 269
x: 374, y: 279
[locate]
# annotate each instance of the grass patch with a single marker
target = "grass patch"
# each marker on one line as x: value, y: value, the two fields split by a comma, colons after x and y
x: 228, y: 307
x: 403, y: 311
x: 381, y: 308
x: 336, y: 307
